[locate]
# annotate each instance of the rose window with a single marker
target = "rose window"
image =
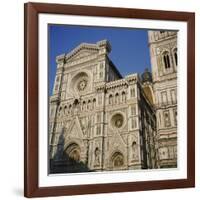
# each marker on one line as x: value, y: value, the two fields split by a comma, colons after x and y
x: 117, y: 121
x: 82, y: 85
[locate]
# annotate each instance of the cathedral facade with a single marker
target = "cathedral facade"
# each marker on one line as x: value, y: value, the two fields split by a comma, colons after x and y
x: 101, y: 121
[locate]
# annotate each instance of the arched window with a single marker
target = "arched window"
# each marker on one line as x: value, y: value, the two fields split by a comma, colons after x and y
x: 134, y: 145
x: 110, y: 99
x: 70, y: 109
x: 84, y: 105
x: 166, y: 60
x: 76, y: 102
x: 94, y: 103
x: 60, y: 110
x: 89, y: 105
x: 116, y: 98
x: 65, y: 109
x: 175, y: 57
x: 123, y: 97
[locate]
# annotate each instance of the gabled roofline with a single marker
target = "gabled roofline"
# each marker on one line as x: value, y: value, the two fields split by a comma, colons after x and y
x: 85, y: 45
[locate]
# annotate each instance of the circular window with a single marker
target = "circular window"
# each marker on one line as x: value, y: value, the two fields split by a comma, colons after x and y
x: 117, y: 120
x: 82, y: 84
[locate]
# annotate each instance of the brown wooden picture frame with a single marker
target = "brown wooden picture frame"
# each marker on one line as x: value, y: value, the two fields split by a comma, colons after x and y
x: 31, y: 106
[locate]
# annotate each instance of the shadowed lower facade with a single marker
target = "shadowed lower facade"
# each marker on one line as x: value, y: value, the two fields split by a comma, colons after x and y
x: 101, y: 121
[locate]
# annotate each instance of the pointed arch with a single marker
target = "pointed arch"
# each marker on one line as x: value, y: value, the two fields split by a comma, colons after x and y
x: 166, y: 59
x: 117, y: 98
x: 117, y: 160
x: 84, y: 105
x: 70, y: 109
x: 94, y: 103
x: 110, y: 99
x: 65, y: 109
x: 89, y: 105
x: 123, y: 96
x: 73, y: 152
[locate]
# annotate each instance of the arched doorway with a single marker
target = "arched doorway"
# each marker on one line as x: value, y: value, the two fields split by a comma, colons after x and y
x: 73, y: 152
x: 117, y: 160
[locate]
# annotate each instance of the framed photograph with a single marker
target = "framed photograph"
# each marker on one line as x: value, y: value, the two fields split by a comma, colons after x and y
x: 109, y: 100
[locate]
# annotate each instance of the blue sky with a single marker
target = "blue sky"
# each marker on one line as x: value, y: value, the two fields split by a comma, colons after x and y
x: 130, y: 51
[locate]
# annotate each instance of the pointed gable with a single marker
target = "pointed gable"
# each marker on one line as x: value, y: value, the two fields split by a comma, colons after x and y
x: 117, y: 141
x: 87, y: 49
x: 83, y: 50
x: 75, y: 130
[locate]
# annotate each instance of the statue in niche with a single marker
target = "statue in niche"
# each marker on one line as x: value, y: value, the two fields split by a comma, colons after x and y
x: 167, y: 119
x: 134, y: 150
x: 97, y: 157
x: 83, y: 125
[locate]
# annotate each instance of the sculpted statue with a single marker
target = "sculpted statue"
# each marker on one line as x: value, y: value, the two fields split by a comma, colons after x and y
x: 97, y: 156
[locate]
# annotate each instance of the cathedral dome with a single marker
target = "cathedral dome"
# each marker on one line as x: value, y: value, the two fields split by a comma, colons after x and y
x: 146, y: 76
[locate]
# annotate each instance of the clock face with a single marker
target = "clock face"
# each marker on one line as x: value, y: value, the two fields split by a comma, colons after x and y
x: 82, y: 84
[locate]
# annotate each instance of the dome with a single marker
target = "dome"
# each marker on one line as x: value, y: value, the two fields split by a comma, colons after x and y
x: 146, y: 76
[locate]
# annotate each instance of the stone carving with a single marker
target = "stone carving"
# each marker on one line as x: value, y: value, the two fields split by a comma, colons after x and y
x: 82, y: 85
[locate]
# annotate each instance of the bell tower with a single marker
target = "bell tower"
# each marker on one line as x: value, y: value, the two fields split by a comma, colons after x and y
x: 164, y: 63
